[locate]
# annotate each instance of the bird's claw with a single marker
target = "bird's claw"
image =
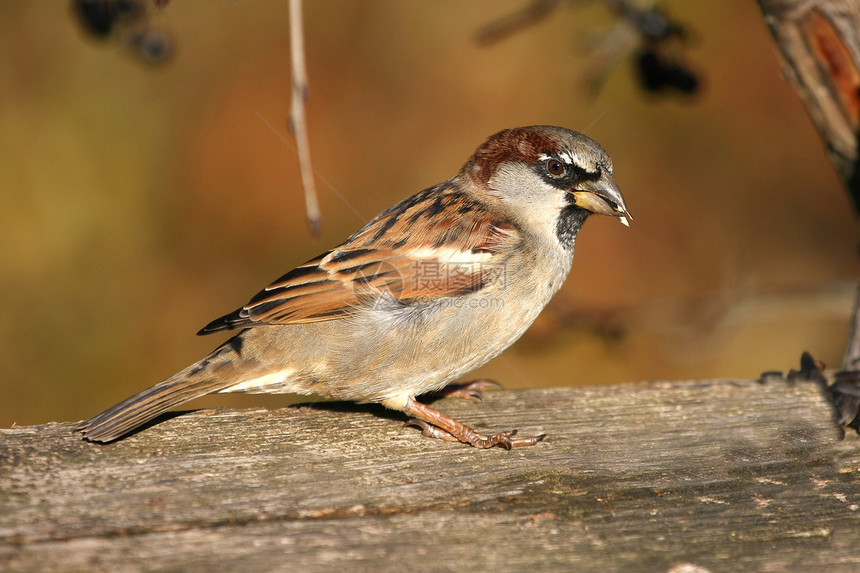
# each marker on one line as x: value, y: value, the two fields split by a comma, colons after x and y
x: 504, y: 439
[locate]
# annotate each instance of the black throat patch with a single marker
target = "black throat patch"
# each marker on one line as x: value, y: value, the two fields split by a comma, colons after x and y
x: 569, y: 223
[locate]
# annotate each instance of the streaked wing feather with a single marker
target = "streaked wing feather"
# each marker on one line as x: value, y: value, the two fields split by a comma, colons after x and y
x: 438, y: 227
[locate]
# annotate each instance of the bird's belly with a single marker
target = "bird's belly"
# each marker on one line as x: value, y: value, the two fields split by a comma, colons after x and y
x: 388, y: 352
x: 422, y: 349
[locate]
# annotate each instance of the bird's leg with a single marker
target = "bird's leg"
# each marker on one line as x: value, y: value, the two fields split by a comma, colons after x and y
x: 468, y: 390
x: 435, y: 424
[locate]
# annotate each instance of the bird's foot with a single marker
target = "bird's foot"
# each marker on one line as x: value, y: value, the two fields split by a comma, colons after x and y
x: 435, y: 424
x: 504, y: 440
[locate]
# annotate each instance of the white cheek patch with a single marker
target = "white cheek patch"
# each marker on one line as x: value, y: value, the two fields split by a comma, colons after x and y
x: 537, y: 202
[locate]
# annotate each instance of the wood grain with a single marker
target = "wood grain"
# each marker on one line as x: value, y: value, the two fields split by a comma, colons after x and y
x: 726, y: 475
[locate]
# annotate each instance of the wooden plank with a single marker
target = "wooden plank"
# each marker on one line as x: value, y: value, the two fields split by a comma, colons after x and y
x: 726, y: 475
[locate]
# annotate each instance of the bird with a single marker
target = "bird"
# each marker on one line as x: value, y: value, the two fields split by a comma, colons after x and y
x: 429, y: 290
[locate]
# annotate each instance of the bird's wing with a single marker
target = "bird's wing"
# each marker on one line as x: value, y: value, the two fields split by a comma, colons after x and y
x: 435, y: 244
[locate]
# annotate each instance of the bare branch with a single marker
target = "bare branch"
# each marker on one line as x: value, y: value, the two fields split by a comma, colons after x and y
x: 820, y: 47
x: 296, y: 122
x: 529, y: 15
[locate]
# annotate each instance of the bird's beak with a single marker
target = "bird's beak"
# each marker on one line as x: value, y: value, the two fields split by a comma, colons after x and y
x: 602, y: 196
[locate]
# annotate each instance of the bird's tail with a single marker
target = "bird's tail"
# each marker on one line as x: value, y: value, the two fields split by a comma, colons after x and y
x: 209, y: 375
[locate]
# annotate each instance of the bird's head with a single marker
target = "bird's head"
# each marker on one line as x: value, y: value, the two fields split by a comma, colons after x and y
x: 548, y: 175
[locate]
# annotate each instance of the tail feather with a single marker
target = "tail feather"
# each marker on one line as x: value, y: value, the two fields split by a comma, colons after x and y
x: 118, y: 420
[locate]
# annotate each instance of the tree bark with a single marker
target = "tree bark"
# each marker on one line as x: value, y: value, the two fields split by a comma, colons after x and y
x: 820, y: 45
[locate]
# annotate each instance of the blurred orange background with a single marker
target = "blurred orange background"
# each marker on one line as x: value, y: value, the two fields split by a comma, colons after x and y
x: 140, y: 202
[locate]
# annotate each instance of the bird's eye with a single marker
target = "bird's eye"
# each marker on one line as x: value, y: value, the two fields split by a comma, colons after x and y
x: 555, y: 168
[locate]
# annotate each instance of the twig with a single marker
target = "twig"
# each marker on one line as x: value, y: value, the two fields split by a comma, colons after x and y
x: 529, y: 15
x: 296, y: 122
x: 657, y: 58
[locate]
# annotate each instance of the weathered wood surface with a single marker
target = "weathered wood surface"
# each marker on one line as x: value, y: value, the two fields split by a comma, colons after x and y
x: 725, y: 475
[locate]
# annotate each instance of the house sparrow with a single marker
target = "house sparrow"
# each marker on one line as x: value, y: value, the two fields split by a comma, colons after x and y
x: 429, y: 290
